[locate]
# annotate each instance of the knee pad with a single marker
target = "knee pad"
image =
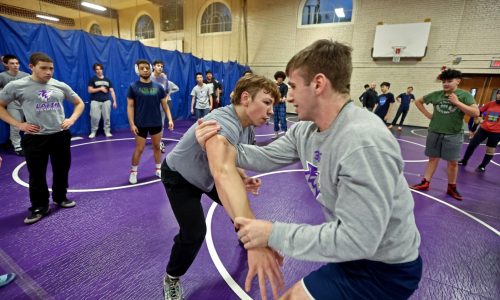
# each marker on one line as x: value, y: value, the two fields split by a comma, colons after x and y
x: 490, y: 150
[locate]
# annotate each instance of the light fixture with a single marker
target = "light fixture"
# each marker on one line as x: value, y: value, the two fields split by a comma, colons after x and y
x: 340, y: 12
x: 94, y: 6
x: 47, y: 18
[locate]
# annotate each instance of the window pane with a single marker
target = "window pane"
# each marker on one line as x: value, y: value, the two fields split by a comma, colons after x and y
x: 216, y: 18
x: 326, y: 11
x: 144, y: 28
x: 95, y: 29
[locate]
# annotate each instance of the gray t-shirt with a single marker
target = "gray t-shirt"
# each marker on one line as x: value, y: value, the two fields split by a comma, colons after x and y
x: 191, y: 161
x: 201, y: 94
x: 355, y: 172
x: 5, y: 78
x: 42, y: 103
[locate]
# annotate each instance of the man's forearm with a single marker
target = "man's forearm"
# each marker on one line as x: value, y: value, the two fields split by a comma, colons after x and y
x: 78, y: 110
x: 6, y: 117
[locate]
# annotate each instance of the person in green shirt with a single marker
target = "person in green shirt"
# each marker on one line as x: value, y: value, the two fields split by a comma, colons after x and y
x: 445, y: 133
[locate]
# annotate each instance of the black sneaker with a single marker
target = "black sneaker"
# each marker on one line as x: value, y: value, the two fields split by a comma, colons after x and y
x: 480, y: 169
x: 19, y: 152
x: 462, y: 162
x: 36, y: 215
x: 66, y: 203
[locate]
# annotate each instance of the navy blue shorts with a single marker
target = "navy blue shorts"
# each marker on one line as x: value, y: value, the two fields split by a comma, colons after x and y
x: 143, y: 131
x: 364, y: 279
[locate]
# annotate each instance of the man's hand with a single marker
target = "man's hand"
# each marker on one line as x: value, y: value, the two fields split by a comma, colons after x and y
x: 205, y: 130
x: 29, y: 128
x: 253, y: 233
x: 67, y: 123
x: 134, y: 129
x: 115, y: 106
x: 453, y: 99
x: 266, y: 264
x: 252, y: 185
x: 104, y: 89
x: 170, y: 125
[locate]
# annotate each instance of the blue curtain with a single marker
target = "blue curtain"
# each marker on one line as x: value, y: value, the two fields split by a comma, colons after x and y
x: 75, y: 51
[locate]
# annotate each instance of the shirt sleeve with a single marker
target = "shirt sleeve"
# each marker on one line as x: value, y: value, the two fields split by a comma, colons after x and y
x: 8, y: 93
x: 173, y: 88
x: 429, y: 98
x: 69, y: 94
x: 130, y: 92
x: 193, y: 92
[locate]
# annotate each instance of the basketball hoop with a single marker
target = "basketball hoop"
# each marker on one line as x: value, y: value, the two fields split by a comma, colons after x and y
x: 396, y: 53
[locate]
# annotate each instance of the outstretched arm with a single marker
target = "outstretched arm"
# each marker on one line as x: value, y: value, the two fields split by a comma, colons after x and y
x: 231, y: 189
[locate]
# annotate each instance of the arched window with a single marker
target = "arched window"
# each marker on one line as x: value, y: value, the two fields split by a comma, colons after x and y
x: 326, y: 11
x: 95, y: 29
x: 144, y: 28
x: 216, y: 18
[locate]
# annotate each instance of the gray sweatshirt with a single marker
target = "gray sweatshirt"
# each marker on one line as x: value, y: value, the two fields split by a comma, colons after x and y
x: 355, y: 171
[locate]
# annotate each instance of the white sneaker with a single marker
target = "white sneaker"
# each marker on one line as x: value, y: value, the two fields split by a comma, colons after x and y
x: 162, y: 147
x: 133, y: 177
x: 400, y: 128
x: 108, y: 134
x: 92, y: 135
x: 276, y: 135
x: 158, y: 173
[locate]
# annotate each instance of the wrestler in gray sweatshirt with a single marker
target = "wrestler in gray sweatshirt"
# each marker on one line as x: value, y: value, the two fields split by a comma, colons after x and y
x: 355, y: 171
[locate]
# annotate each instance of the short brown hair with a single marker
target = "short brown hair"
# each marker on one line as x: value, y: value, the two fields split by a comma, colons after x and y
x: 253, y: 84
x: 39, y: 56
x: 333, y: 59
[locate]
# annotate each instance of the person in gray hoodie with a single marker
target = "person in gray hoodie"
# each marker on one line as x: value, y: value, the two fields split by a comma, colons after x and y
x: 369, y: 240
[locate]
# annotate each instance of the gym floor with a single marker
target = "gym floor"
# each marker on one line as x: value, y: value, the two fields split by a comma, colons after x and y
x: 115, y: 243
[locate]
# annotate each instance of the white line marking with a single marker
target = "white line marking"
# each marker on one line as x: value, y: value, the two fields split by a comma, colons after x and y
x: 18, y: 180
x: 459, y: 210
x: 29, y: 286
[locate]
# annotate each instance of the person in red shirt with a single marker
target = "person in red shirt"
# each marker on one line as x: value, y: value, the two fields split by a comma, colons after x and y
x: 490, y: 129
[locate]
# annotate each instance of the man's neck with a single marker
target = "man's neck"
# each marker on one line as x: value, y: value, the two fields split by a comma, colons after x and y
x: 242, y: 116
x: 200, y: 84
x: 329, y: 111
x: 100, y: 76
x: 12, y: 73
x: 450, y: 92
x: 144, y: 80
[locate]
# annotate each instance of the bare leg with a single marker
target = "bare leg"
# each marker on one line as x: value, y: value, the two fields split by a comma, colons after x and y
x: 431, y: 168
x: 452, y: 171
x: 155, y: 140
x: 140, y: 143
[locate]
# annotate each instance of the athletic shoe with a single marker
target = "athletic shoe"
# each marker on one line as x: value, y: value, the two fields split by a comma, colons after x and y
x: 19, y: 152
x: 480, y: 169
x: 400, y: 128
x: 389, y: 127
x: 36, y: 215
x: 6, y: 279
x: 66, y: 203
x: 462, y: 162
x: 172, y: 289
x: 133, y: 177
x: 158, y: 173
x: 108, y: 134
x: 452, y: 191
x: 422, y: 186
x: 276, y: 135
x: 162, y: 147
x: 92, y: 135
